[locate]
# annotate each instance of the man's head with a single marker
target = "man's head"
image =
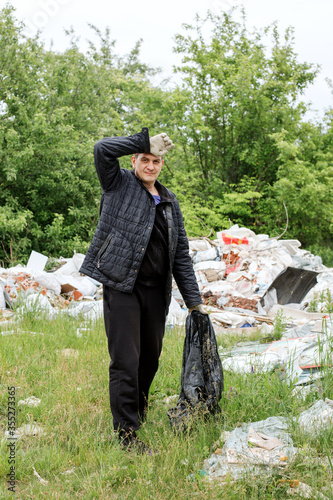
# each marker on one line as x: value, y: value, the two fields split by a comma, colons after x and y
x: 147, y: 167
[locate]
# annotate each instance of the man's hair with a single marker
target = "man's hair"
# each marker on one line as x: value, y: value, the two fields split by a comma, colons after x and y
x: 136, y: 155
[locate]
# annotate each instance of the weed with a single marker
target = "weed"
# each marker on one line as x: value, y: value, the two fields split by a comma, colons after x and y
x: 280, y: 322
x: 322, y: 302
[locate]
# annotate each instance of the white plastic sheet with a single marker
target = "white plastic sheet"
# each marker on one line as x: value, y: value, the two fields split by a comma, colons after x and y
x: 177, y: 315
x: 239, y: 457
x: 318, y: 417
x: 49, y: 281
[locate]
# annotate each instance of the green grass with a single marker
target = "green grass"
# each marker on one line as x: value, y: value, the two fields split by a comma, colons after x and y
x: 75, y: 415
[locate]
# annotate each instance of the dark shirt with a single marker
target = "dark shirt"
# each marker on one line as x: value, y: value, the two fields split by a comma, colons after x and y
x: 154, y: 267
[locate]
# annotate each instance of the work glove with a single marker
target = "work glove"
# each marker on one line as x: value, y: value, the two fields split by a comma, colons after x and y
x: 160, y: 144
x: 199, y: 308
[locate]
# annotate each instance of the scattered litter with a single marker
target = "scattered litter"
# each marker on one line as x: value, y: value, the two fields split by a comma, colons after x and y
x: 26, y: 430
x: 176, y: 315
x: 69, y: 353
x: 246, y: 278
x: 69, y: 471
x: 40, y: 479
x: 301, y: 355
x: 37, y: 304
x: 31, y: 402
x: 32, y: 290
x: 253, y: 448
x: 87, y: 310
x: 80, y: 330
x: 256, y: 447
x: 305, y: 491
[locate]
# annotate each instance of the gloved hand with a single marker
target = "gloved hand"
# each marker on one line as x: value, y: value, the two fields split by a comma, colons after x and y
x: 199, y: 307
x: 160, y: 144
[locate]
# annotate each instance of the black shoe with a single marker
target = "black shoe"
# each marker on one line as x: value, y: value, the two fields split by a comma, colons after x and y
x: 130, y: 442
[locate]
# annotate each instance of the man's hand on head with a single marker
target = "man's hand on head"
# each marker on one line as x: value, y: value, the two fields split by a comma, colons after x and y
x: 160, y: 144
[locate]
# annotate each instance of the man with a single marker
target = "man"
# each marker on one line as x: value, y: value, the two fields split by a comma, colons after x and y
x: 140, y: 241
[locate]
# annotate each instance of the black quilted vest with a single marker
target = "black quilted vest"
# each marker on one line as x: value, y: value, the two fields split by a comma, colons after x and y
x: 126, y: 220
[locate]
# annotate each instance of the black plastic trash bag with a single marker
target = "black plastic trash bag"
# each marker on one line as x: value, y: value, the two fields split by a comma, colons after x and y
x: 202, y: 373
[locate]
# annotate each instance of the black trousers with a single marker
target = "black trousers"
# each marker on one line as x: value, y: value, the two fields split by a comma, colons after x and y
x: 134, y: 324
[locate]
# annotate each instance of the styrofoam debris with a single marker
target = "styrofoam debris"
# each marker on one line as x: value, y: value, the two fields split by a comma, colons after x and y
x: 37, y: 261
x: 31, y: 402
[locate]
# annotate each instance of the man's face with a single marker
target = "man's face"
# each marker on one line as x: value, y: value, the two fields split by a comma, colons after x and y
x: 147, y: 167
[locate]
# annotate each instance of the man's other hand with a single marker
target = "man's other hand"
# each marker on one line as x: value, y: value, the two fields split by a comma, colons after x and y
x: 160, y: 144
x: 199, y: 308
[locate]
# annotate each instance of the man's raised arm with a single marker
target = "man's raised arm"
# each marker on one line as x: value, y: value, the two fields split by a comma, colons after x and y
x: 108, y: 150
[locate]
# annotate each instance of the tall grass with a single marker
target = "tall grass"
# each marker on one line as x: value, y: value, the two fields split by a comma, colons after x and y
x: 81, y: 458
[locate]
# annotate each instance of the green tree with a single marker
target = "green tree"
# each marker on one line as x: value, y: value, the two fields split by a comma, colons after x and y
x: 239, y: 93
x: 236, y: 95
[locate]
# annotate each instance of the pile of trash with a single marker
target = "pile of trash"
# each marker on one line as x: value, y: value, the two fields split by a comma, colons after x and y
x: 244, y: 280
x: 238, y: 276
x: 65, y: 290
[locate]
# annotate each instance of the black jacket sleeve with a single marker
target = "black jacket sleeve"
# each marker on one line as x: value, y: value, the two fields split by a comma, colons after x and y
x: 183, y: 271
x: 108, y: 150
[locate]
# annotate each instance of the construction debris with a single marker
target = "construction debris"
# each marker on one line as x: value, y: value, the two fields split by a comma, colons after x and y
x: 236, y: 273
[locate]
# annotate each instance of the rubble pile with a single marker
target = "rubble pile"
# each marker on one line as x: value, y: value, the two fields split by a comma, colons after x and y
x: 235, y: 273
x: 64, y: 290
